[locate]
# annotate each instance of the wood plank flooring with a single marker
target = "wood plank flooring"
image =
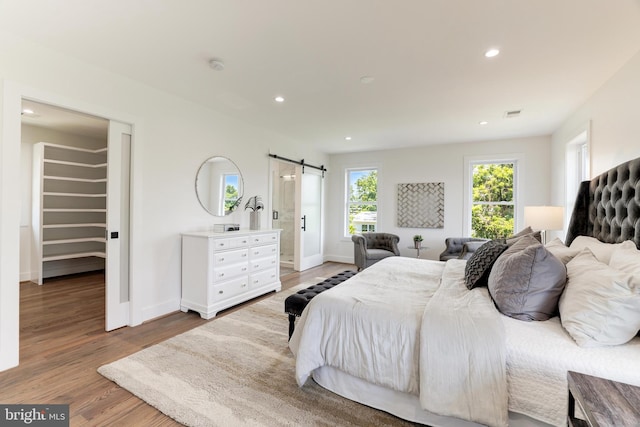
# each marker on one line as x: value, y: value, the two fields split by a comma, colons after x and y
x: 63, y: 342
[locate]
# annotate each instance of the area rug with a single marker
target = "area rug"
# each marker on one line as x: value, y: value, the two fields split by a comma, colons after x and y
x: 237, y: 370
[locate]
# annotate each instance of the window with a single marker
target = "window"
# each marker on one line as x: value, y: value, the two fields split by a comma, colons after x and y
x: 230, y: 192
x: 576, y: 169
x: 493, y: 198
x: 362, y: 200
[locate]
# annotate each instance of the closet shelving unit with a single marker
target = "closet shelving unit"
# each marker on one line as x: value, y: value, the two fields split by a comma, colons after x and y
x: 69, y: 209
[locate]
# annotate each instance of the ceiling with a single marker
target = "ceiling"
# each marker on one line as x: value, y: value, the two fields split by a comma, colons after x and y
x: 431, y: 82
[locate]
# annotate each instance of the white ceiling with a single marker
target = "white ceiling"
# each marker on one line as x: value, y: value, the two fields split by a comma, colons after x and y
x: 431, y: 85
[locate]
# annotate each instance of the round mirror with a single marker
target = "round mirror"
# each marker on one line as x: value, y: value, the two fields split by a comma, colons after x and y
x: 219, y: 186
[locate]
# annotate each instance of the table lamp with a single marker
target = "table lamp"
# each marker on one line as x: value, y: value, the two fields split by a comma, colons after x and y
x: 544, y: 218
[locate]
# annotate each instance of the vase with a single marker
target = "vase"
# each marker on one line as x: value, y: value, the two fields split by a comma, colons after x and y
x: 417, y: 244
x: 254, y: 220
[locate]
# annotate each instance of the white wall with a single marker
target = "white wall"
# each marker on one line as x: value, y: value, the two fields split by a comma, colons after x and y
x: 435, y: 163
x: 614, y: 113
x: 172, y: 137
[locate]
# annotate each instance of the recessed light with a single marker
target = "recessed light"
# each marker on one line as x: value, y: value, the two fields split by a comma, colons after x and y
x: 365, y: 80
x: 347, y: 138
x: 491, y: 53
x: 279, y: 99
x: 483, y: 123
x: 27, y: 111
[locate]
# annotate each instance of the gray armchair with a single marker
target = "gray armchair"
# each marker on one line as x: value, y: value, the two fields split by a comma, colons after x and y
x: 369, y: 248
x: 460, y: 247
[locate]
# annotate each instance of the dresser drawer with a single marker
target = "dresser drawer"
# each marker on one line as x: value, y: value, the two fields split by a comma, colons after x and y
x: 239, y: 242
x: 225, y: 258
x: 220, y: 244
x: 229, y: 272
x: 263, y: 278
x: 263, y: 251
x: 228, y: 289
x: 260, y: 239
x: 262, y: 263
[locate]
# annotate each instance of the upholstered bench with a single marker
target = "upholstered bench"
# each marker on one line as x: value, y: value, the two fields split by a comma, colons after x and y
x: 295, y: 304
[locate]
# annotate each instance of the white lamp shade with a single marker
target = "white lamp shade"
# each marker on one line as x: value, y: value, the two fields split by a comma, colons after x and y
x: 544, y: 217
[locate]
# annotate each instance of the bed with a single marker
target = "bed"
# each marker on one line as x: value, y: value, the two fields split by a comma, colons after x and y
x: 409, y: 337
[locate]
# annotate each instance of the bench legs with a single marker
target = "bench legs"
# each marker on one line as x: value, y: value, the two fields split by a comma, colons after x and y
x: 292, y: 324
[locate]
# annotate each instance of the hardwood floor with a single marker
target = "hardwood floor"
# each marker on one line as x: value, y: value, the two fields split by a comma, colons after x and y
x: 63, y: 342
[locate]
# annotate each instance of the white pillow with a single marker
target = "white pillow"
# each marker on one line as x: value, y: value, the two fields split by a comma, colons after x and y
x: 561, y: 251
x: 626, y: 257
x: 600, y: 306
x: 601, y: 250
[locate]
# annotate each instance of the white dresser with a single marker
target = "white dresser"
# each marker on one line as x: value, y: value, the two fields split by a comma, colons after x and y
x: 220, y: 270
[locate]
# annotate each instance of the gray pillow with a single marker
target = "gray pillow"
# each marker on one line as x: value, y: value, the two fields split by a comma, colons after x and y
x: 527, y: 231
x: 526, y: 281
x: 478, y: 266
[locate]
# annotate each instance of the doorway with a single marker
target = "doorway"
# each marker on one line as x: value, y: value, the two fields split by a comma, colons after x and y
x: 76, y: 173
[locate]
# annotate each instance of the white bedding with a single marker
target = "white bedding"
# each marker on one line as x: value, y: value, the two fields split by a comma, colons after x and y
x: 385, y: 349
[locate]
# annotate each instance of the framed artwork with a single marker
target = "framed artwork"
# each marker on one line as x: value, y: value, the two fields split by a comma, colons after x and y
x: 421, y: 205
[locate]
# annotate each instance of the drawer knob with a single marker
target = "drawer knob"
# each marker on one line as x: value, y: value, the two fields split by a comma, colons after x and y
x: 256, y: 281
x: 221, y: 292
x: 221, y: 274
x: 244, y: 285
x: 257, y: 265
x: 221, y: 259
x: 244, y: 268
x: 244, y: 255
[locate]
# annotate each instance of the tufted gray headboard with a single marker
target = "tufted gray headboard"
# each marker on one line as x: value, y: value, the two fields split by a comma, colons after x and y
x: 608, y: 206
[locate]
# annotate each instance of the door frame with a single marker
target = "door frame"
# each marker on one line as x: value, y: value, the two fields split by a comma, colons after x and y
x: 12, y: 95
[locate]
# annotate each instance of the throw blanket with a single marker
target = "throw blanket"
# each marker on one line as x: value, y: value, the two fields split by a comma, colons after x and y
x: 463, y: 357
x: 374, y: 327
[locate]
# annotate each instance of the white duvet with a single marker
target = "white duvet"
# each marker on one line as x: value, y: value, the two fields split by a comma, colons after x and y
x: 370, y: 327
x: 376, y: 328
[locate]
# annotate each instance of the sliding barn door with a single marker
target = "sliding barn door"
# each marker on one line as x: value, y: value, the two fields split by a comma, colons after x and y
x: 309, y: 196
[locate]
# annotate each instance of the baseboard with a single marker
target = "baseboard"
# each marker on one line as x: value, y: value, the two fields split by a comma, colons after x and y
x: 159, y: 310
x: 339, y: 258
x: 27, y: 276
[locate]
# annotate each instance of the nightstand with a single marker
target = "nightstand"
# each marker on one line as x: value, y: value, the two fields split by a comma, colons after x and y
x: 603, y: 402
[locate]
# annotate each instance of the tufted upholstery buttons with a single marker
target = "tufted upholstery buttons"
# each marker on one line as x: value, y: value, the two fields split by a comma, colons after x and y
x: 613, y: 206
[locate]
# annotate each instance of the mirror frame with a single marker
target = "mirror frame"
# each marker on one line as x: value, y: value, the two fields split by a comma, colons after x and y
x: 240, y: 186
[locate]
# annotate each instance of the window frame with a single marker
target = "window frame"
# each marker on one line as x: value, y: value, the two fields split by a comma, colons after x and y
x: 517, y: 159
x: 348, y: 203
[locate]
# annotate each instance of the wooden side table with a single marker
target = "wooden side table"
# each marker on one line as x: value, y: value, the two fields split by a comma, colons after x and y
x: 603, y: 402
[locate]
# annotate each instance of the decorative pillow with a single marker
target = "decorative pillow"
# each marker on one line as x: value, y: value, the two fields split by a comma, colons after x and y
x: 561, y: 251
x: 524, y: 232
x: 469, y: 248
x: 479, y: 265
x: 626, y: 257
x: 600, y: 305
x: 601, y: 250
x: 527, y: 280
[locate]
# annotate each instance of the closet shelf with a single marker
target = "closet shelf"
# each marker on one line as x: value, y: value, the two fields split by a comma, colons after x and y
x: 72, y: 148
x: 49, y: 193
x: 83, y: 165
x: 72, y: 210
x: 69, y: 216
x: 77, y: 225
x: 78, y: 240
x: 74, y: 255
x: 69, y: 178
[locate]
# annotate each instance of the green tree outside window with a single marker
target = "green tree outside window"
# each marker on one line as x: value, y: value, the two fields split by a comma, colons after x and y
x: 362, y: 198
x: 493, y: 205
